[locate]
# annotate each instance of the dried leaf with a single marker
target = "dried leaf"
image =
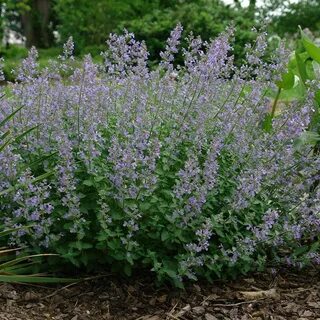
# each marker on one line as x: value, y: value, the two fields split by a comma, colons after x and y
x: 256, y: 295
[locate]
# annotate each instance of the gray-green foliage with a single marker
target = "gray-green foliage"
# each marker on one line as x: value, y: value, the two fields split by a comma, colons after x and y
x: 167, y: 169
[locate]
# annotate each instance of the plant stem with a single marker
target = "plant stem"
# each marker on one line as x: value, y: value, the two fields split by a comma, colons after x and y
x: 274, y: 106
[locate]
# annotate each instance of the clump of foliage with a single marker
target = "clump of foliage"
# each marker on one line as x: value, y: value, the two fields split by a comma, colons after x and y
x: 186, y: 169
x: 15, y: 264
x: 202, y: 17
x: 304, y: 13
x: 88, y: 22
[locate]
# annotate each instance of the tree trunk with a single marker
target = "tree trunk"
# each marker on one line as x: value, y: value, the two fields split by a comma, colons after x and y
x: 36, y: 24
x: 252, y: 8
x: 28, y: 29
x: 43, y: 7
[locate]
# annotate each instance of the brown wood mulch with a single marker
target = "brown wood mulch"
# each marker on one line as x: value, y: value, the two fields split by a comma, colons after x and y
x: 259, y: 296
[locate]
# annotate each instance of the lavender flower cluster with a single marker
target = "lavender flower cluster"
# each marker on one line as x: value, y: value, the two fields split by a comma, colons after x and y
x: 168, y: 168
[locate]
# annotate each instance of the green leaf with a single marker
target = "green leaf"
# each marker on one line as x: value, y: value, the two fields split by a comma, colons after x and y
x: 145, y: 206
x: 307, y: 138
x: 165, y: 235
x: 267, y: 123
x: 88, y: 183
x: 317, y: 97
x: 311, y: 48
x: 178, y: 283
x: 179, y: 235
x: 130, y: 259
x: 287, y: 81
x: 127, y: 270
x: 301, y: 67
x: 300, y: 250
x: 114, y: 244
x: 167, y: 194
x: 80, y: 245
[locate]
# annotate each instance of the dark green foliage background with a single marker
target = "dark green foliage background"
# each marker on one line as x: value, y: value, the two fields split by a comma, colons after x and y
x: 91, y: 22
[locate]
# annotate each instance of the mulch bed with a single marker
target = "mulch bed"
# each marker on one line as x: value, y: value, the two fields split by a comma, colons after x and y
x: 259, y: 296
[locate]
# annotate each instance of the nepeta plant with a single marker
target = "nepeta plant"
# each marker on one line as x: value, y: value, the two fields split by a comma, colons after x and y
x: 171, y: 169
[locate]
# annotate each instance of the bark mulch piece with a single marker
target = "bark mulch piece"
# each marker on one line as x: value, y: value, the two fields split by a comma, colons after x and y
x: 259, y: 296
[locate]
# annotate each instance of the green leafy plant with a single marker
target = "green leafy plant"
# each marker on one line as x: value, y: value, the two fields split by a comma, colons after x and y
x: 20, y: 268
x: 296, y: 82
x: 14, y: 267
x: 165, y: 169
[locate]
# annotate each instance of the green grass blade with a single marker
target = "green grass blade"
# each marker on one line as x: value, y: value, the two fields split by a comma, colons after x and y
x: 5, y: 135
x: 11, y: 230
x: 24, y: 258
x: 5, y: 144
x: 9, y: 117
x: 22, y: 135
x: 34, y: 279
x: 39, y: 178
x: 40, y: 160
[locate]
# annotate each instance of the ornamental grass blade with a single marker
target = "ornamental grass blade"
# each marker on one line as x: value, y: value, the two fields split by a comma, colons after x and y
x: 20, y: 268
x: 22, y: 135
x: 5, y: 144
x: 40, y: 160
x: 6, y: 134
x: 11, y: 230
x: 24, y: 258
x: 9, y: 117
x: 35, y: 180
x: 34, y: 279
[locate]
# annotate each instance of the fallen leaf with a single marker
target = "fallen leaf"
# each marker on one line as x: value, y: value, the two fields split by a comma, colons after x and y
x: 314, y: 305
x: 307, y: 313
x: 212, y: 297
x: 162, y: 298
x: 256, y: 295
x: 149, y: 317
x: 198, y: 310
x: 209, y: 316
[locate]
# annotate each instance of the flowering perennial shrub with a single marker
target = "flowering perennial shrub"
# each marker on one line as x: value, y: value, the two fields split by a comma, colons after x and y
x: 171, y: 169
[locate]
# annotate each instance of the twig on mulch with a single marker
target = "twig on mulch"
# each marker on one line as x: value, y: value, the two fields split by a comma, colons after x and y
x: 179, y: 314
x: 73, y: 284
x: 236, y: 304
x: 172, y: 310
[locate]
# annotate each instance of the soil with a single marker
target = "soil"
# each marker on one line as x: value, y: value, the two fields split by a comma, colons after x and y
x: 259, y: 296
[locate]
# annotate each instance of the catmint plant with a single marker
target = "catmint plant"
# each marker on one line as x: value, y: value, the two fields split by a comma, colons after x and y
x: 185, y: 170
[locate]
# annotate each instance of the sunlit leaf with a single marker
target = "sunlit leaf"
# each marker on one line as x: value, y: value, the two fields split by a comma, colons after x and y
x: 301, y: 68
x: 311, y: 48
x: 287, y: 81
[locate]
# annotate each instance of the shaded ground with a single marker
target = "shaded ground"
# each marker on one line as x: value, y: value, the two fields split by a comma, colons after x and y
x: 262, y: 296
